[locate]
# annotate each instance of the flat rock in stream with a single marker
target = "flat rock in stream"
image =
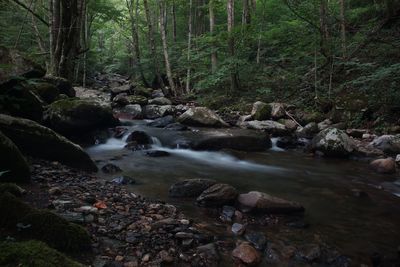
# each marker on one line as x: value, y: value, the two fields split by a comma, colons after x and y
x: 201, y: 116
x: 217, y: 195
x: 190, y: 187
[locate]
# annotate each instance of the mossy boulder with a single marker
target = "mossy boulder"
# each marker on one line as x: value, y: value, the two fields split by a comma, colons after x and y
x: 201, y: 116
x: 47, y: 91
x: 17, y: 99
x: 73, y: 116
x: 33, y: 253
x: 42, y: 225
x: 12, y: 163
x: 137, y: 99
x: 333, y: 142
x: 63, y: 85
x: 41, y: 142
x: 261, y: 111
x: 146, y: 92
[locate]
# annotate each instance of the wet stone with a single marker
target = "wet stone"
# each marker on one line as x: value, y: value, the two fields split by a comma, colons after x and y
x: 227, y: 213
x: 257, y: 239
x: 238, y: 229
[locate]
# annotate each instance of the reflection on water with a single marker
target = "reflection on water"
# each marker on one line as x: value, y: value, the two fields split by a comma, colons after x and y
x: 358, y: 226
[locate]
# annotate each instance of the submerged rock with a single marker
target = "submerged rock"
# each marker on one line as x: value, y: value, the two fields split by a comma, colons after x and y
x: 387, y: 165
x: 39, y: 141
x: 333, y: 142
x: 157, y: 153
x: 217, y: 195
x: 257, y: 239
x: 140, y: 137
x: 201, y: 116
x: 190, y: 187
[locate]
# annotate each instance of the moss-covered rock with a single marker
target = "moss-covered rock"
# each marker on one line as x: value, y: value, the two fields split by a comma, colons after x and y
x: 12, y: 163
x: 261, y: 111
x: 38, y: 141
x: 137, y: 99
x: 17, y: 99
x: 47, y: 91
x: 32, y: 253
x: 73, y: 116
x: 63, y: 85
x: 42, y: 225
x: 146, y: 92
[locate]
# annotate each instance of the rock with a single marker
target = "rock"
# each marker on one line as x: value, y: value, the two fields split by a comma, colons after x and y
x: 238, y: 229
x: 241, y: 142
x: 356, y: 133
x: 246, y: 254
x: 146, y: 92
x: 157, y: 93
x: 290, y: 125
x: 123, y: 180
x: 310, y: 253
x: 55, y: 191
x: 201, y: 116
x: 120, y: 100
x: 210, y: 252
x: 277, y: 110
x: 17, y: 99
x: 261, y: 202
x: 287, y: 142
x: 333, y: 142
x: 157, y: 153
x: 13, y: 166
x: 227, y: 213
x: 308, y: 131
x: 137, y: 99
x: 271, y: 127
x: 47, y: 91
x: 165, y: 256
x: 183, y: 235
x: 14, y: 64
x: 258, y: 240
x: 126, y: 88
x: 387, y: 165
x: 190, y: 187
x: 130, y: 112
x: 140, y: 137
x: 39, y: 141
x: 73, y: 116
x: 176, y: 127
x: 217, y: 195
x: 261, y: 111
x: 398, y: 160
x: 111, y: 168
x: 156, y: 111
x: 324, y: 124
x: 63, y: 85
x: 162, y: 122
x: 387, y: 143
x: 160, y: 101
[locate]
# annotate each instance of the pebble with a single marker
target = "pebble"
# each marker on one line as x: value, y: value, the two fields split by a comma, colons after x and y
x: 238, y: 229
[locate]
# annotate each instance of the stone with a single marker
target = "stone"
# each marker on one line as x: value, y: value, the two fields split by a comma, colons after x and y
x: 386, y: 166
x: 137, y: 99
x: 257, y: 239
x: 356, y: 133
x: 246, y: 254
x: 261, y: 202
x: 278, y: 110
x: 140, y: 137
x: 201, y: 116
x: 63, y: 85
x: 261, y: 111
x: 146, y: 92
x: 156, y: 111
x: 389, y: 144
x: 47, y: 91
x: 160, y: 101
x: 183, y: 235
x: 162, y: 122
x: 270, y: 127
x: 126, y: 88
x: 157, y: 93
x: 227, y: 213
x: 74, y: 116
x: 190, y: 187
x: 333, y: 142
x: 130, y: 112
x: 308, y: 131
x: 176, y: 127
x: 13, y: 165
x: 111, y: 168
x: 124, y: 180
x: 55, y: 191
x: 238, y: 229
x: 217, y: 195
x: 290, y: 125
x: 31, y: 138
x: 324, y: 124
x: 397, y: 160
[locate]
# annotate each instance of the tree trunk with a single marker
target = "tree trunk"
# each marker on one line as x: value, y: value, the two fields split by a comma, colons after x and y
x: 214, y: 61
x: 231, y: 44
x: 246, y: 15
x: 174, y: 30
x: 325, y: 50
x: 189, y: 47
x: 165, y: 46
x: 343, y: 28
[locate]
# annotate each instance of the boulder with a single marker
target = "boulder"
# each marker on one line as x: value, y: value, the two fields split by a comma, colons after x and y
x: 324, y: 124
x: 137, y: 99
x: 146, y: 92
x: 387, y: 165
x: 201, y: 116
x: 74, y: 116
x: 160, y: 101
x: 387, y: 143
x: 308, y: 131
x: 271, y: 127
x: 176, y: 127
x: 255, y: 201
x: 356, y: 133
x: 140, y: 137
x: 278, y: 110
x: 38, y: 141
x: 162, y: 122
x: 47, y: 91
x: 126, y: 88
x: 190, y: 187
x: 261, y: 111
x: 291, y: 125
x: 63, y: 85
x: 129, y: 112
x: 217, y: 195
x: 14, y: 64
x: 246, y: 254
x: 120, y: 100
x: 237, y: 142
x: 17, y: 99
x: 157, y: 93
x: 156, y: 111
x: 333, y: 142
x: 13, y: 165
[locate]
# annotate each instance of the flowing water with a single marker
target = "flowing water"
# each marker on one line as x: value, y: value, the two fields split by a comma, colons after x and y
x: 358, y: 226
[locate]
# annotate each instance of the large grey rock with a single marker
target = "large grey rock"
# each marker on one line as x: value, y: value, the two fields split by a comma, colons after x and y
x: 217, y: 195
x: 38, y: 141
x: 63, y: 85
x: 160, y: 101
x: 12, y: 163
x: 201, y: 116
x: 388, y: 143
x: 261, y: 111
x: 278, y: 110
x: 190, y: 187
x: 261, y: 202
x: 308, y: 131
x: 156, y: 111
x: 333, y: 142
x: 271, y: 127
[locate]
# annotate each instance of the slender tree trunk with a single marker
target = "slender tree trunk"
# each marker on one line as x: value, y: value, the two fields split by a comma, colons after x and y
x: 246, y: 15
x: 231, y: 44
x: 325, y: 50
x: 86, y: 46
x: 214, y: 61
x: 152, y: 44
x: 343, y: 28
x: 165, y: 46
x: 189, y: 47
x: 174, y: 30
x: 258, y: 49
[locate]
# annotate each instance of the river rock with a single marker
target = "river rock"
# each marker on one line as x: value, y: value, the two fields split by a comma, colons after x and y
x: 120, y: 100
x: 249, y: 142
x: 176, y: 127
x: 111, y: 168
x: 246, y: 254
x: 217, y: 195
x: 126, y: 88
x: 39, y: 141
x: 324, y: 124
x: 398, y: 160
x: 261, y: 202
x: 156, y: 111
x: 356, y: 133
x: 137, y: 99
x: 47, y: 91
x: 146, y: 92
x: 238, y: 229
x: 291, y: 125
x: 201, y: 116
x: 74, y: 116
x: 140, y: 137
x: 278, y: 110
x: 387, y: 165
x: 63, y: 85
x: 162, y: 122
x: 387, y: 143
x: 333, y: 142
x: 157, y: 93
x: 308, y: 131
x: 261, y: 111
x: 271, y: 127
x: 130, y: 112
x: 190, y: 187
x: 13, y: 166
x: 160, y: 101
x: 257, y: 239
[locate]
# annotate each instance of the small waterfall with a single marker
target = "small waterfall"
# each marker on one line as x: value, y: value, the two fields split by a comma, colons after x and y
x: 156, y: 141
x: 274, y: 147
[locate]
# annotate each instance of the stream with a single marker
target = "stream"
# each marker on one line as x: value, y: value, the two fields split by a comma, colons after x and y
x: 357, y: 226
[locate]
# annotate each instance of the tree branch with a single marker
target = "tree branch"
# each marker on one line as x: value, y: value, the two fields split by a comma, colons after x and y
x: 31, y: 11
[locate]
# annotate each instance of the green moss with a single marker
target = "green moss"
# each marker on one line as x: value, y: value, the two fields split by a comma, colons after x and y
x: 43, y: 225
x: 33, y: 254
x: 263, y: 113
x: 146, y: 92
x: 137, y: 99
x: 47, y: 91
x: 11, y: 188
